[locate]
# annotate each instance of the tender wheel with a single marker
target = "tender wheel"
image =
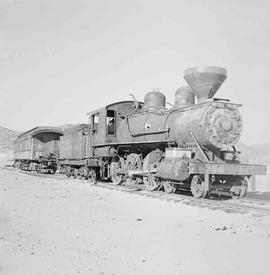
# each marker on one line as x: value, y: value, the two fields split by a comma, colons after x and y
x: 241, y: 190
x: 197, y: 187
x: 38, y: 169
x: 92, y: 175
x: 75, y: 173
x: 116, y: 178
x: 68, y: 171
x: 169, y: 187
x: 85, y: 172
x: 54, y: 169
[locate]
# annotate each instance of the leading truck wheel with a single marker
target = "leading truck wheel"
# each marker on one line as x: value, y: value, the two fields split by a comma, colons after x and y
x: 198, y: 188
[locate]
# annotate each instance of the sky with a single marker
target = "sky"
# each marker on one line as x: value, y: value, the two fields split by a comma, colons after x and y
x: 60, y: 59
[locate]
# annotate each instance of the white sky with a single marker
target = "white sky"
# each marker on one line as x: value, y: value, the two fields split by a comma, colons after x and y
x: 60, y: 59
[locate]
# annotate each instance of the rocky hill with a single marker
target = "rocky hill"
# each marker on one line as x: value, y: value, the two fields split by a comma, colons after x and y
x: 262, y: 150
x: 6, y: 139
x: 258, y: 153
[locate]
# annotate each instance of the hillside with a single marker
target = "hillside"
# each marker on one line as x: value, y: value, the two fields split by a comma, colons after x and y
x: 6, y: 139
x: 258, y: 153
x: 263, y: 150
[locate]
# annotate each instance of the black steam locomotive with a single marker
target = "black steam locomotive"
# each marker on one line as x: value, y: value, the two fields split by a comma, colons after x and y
x: 189, y: 146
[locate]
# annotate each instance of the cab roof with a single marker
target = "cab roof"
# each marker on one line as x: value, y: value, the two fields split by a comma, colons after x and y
x: 110, y: 105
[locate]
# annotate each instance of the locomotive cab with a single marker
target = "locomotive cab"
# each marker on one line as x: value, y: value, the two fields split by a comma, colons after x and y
x: 105, y: 122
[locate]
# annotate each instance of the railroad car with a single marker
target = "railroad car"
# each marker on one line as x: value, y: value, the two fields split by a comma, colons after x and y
x: 38, y: 149
x: 188, y: 146
x: 74, y: 150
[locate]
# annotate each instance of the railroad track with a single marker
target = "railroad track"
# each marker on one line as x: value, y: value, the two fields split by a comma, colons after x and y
x: 228, y: 205
x: 256, y: 207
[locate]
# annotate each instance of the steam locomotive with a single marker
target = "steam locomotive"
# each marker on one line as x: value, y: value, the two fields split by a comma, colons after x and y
x: 189, y: 146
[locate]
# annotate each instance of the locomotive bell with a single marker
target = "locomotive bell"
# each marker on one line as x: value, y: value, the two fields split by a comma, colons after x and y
x: 205, y: 81
x: 154, y: 100
x: 184, y: 97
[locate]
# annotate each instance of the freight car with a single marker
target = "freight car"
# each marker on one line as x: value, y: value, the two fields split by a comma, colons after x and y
x: 38, y: 149
x: 189, y: 146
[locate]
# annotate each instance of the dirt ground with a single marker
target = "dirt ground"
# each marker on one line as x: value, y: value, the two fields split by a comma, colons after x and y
x: 50, y: 226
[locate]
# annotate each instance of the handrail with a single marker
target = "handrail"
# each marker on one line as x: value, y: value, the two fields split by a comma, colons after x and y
x: 199, y: 146
x: 150, y: 133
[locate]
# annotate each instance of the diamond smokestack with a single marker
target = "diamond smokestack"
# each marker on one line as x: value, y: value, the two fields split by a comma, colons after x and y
x: 205, y: 81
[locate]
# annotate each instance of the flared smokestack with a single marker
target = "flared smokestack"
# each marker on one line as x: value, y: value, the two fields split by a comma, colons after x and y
x: 205, y: 81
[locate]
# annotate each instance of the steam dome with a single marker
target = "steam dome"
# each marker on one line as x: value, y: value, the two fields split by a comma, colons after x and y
x: 154, y: 100
x: 184, y: 97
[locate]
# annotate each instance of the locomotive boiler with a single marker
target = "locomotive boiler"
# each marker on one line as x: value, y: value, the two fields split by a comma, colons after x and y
x: 189, y: 146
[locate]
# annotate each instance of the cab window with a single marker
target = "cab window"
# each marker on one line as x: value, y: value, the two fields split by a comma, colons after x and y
x: 110, y: 122
x: 94, y: 121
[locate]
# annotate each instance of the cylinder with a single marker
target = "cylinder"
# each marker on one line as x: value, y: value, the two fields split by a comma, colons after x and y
x: 173, y: 169
x: 184, y: 97
x: 154, y: 100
